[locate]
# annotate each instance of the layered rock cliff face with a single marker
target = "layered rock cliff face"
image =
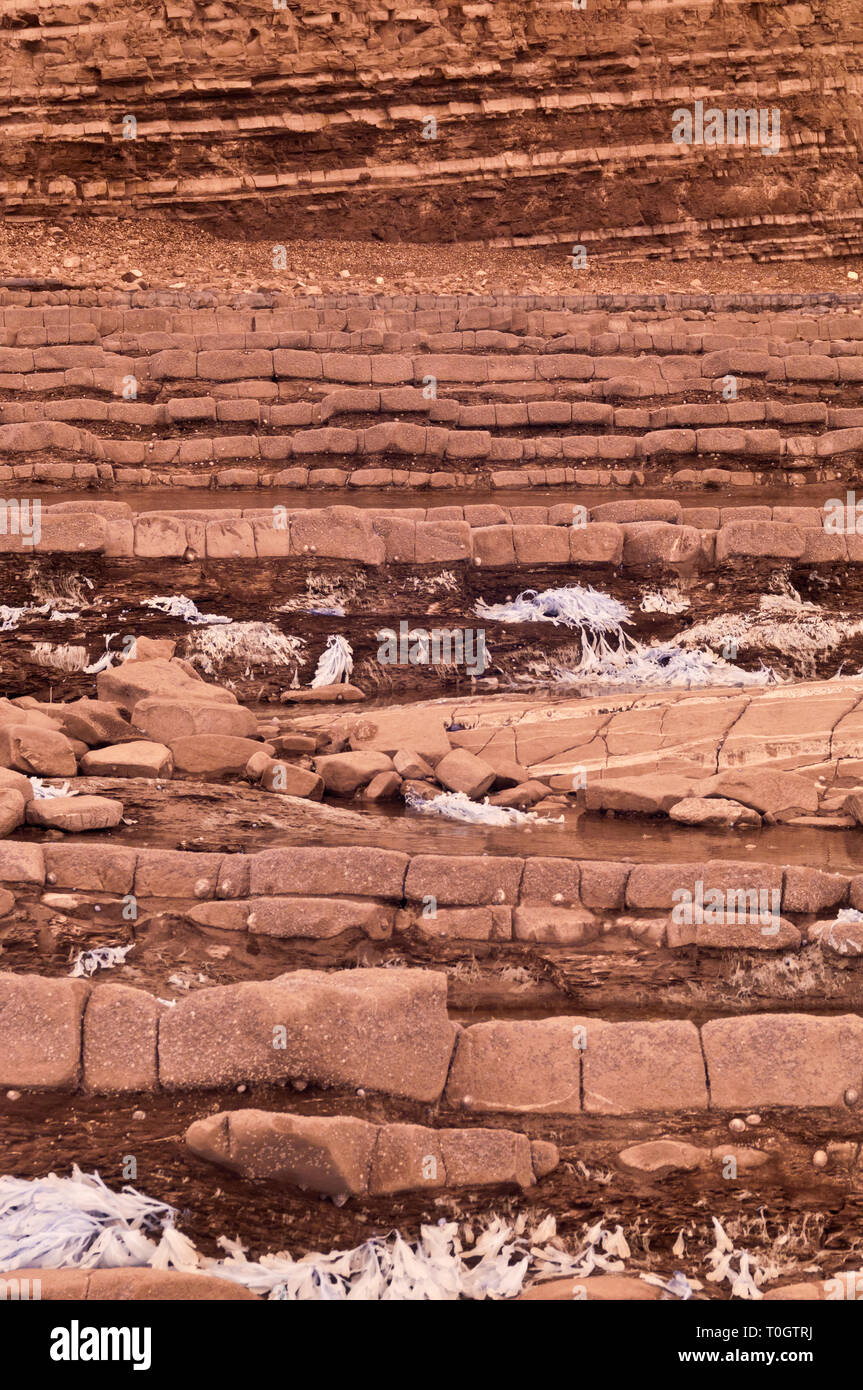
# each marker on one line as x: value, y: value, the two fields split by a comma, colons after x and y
x: 516, y: 122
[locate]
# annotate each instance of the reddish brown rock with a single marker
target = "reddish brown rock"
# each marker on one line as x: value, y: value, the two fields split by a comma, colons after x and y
x: 124, y: 686
x: 461, y: 771
x: 120, y: 1028
x: 344, y: 774
x: 297, y: 917
x: 165, y: 720
x: 385, y: 1030
x: 465, y: 880
x: 214, y: 755
x: 75, y: 813
x: 287, y: 778
x: 134, y: 759
x: 330, y: 1155
x: 38, y: 752
x: 533, y: 1066
x: 40, y: 1031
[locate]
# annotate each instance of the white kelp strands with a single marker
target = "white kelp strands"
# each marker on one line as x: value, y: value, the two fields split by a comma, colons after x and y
x: 335, y: 663
x: 608, y: 655
x: 80, y: 1223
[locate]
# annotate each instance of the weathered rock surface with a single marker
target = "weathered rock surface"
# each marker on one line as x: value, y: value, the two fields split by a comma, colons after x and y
x: 40, y: 1031
x: 75, y: 813
x: 341, y: 1156
x: 134, y: 759
x: 318, y: 918
x: 385, y: 1030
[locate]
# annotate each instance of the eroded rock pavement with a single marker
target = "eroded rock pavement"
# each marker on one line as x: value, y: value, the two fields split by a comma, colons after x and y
x: 431, y: 733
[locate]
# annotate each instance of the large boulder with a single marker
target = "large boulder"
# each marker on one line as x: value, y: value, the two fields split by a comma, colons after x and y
x: 12, y: 808
x: 90, y: 721
x: 385, y: 1030
x: 125, y: 685
x: 706, y: 810
x: 277, y: 776
x: 461, y: 771
x: 133, y: 759
x: 36, y: 751
x: 389, y: 730
x: 215, y: 755
x: 772, y: 792
x: 345, y: 773
x: 165, y: 720
x: 649, y: 796
x: 16, y: 781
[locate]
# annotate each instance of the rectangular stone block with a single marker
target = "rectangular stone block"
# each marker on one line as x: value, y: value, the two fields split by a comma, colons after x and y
x: 356, y: 871
x: 783, y: 1059
x: 465, y: 880
x: 120, y: 1035
x: 532, y: 1065
x: 636, y: 1066
x: 40, y: 1031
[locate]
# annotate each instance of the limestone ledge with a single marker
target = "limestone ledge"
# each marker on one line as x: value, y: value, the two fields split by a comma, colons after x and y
x: 387, y: 1031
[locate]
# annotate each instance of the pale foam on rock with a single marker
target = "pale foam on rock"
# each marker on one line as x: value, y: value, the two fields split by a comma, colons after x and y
x: 575, y: 606
x: 782, y: 623
x: 44, y: 791
x: 664, y: 665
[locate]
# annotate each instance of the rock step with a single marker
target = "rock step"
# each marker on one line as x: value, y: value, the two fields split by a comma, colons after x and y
x: 457, y: 882
x: 596, y: 419
x: 705, y: 539
x: 343, y: 1156
x: 387, y: 1031
x: 446, y: 477
x: 120, y: 1285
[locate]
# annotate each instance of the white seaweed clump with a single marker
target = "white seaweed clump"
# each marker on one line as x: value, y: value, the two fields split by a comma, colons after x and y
x: 251, y: 644
x: 335, y: 663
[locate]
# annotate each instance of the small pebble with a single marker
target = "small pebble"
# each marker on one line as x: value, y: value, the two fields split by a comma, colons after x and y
x: 737, y: 1126
x: 819, y: 1159
x: 753, y: 1119
x: 851, y: 1096
x: 13, y: 1095
x: 241, y: 1089
x: 139, y: 1114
